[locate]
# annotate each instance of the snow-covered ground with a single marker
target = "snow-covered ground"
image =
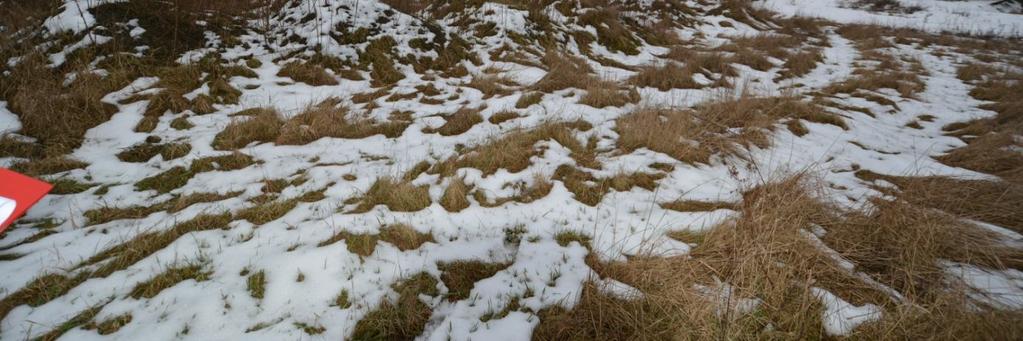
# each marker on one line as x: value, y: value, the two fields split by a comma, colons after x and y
x: 977, y: 17
x: 542, y: 273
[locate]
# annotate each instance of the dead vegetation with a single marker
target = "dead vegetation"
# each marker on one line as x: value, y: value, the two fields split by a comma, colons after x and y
x: 897, y: 244
x: 461, y: 277
x: 716, y: 127
x: 513, y: 150
x: 397, y: 195
x: 458, y: 122
x: 402, y: 318
x: 330, y: 119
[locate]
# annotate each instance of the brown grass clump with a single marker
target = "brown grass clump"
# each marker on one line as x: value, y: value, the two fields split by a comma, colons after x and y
x: 329, y: 119
x: 591, y: 190
x: 398, y: 196
x: 460, y: 277
x: 503, y: 116
x: 109, y: 326
x: 264, y: 126
x: 994, y: 202
x: 56, y: 114
x: 146, y: 151
x: 801, y: 63
x: 455, y: 196
x: 167, y: 279
x: 695, y: 135
x: 308, y: 73
x: 513, y: 150
x: 525, y: 193
x: 608, y: 94
x: 46, y: 166
x: 528, y: 99
x: 665, y: 77
x: 564, y: 72
x: 458, y: 122
x: 403, y: 319
x: 404, y: 237
x: 491, y: 85
x: 267, y: 212
x: 697, y: 206
x: 745, y: 253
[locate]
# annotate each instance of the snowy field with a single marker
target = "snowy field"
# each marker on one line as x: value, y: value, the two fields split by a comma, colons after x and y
x: 303, y: 256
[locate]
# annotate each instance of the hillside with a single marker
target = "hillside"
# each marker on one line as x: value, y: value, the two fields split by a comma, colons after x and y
x: 514, y: 169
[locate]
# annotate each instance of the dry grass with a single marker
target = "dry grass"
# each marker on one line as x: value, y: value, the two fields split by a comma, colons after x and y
x: 330, y: 119
x: 458, y: 122
x: 564, y: 72
x: 460, y: 277
x: 308, y: 73
x: 764, y: 253
x: 267, y: 212
x: 404, y: 237
x: 697, y: 206
x: 801, y: 63
x: 109, y: 326
x: 146, y: 151
x: 591, y: 190
x: 528, y: 99
x: 608, y: 94
x: 50, y: 165
x: 665, y: 77
x: 48, y: 287
x: 492, y: 85
x: 398, y: 196
x: 711, y: 128
x: 403, y: 319
x: 264, y: 126
x: 503, y: 116
x: 513, y: 150
x: 256, y: 284
x: 455, y: 196
x: 167, y: 279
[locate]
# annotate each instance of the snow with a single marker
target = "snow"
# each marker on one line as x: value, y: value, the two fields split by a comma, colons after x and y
x: 542, y: 273
x: 841, y: 317
x: 976, y: 17
x: 9, y: 122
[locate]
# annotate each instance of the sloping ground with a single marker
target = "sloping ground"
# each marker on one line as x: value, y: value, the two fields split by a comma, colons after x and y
x: 506, y: 169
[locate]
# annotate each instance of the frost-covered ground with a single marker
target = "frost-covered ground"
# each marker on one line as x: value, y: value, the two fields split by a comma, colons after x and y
x: 542, y: 272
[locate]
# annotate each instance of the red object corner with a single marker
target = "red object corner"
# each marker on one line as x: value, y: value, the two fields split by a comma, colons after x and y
x: 22, y: 190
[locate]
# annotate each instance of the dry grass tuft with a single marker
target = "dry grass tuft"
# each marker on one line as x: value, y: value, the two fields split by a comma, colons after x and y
x: 455, y: 196
x: 329, y: 119
x: 513, y: 150
x: 167, y: 279
x: 267, y: 212
x: 591, y: 190
x: 46, y: 166
x: 398, y: 196
x: 528, y: 99
x: 146, y: 151
x: 308, y: 73
x: 404, y: 237
x: 109, y: 326
x: 564, y: 72
x: 716, y: 127
x: 697, y: 206
x: 608, y: 94
x: 458, y: 122
x: 460, y: 277
x: 256, y: 284
x: 403, y: 319
x: 503, y: 116
x: 264, y: 126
